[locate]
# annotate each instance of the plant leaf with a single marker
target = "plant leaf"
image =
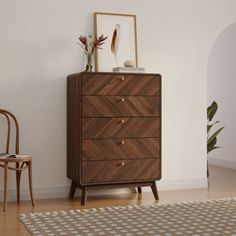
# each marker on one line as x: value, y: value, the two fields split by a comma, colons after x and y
x: 214, y: 135
x: 209, y: 128
x: 211, y: 125
x: 212, y: 143
x: 211, y: 110
x: 212, y: 148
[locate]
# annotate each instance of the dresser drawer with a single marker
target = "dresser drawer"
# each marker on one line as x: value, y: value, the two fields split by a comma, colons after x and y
x: 125, y: 170
x: 109, y: 106
x: 120, y: 84
x: 120, y: 127
x: 110, y: 149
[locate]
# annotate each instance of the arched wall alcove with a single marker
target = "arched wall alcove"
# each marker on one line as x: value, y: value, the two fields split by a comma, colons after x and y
x: 221, y: 87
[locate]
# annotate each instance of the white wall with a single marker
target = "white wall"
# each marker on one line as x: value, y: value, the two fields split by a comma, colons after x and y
x: 38, y: 50
x: 221, y: 87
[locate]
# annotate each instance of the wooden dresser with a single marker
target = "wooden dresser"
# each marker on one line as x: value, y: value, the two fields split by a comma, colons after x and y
x: 113, y: 131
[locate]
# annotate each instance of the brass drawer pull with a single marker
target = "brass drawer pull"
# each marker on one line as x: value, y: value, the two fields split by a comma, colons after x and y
x: 121, y: 164
x: 121, y: 100
x: 121, y: 142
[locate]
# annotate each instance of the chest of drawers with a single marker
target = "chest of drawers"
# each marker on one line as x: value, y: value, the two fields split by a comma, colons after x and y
x: 113, y: 131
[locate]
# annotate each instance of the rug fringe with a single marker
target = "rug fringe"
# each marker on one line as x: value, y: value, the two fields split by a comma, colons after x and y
x: 23, y: 215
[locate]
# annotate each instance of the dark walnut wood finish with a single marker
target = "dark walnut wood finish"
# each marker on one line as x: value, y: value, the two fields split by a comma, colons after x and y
x: 117, y: 149
x: 113, y: 131
x: 120, y: 170
x: 120, y: 127
x: 115, y: 106
x: 118, y: 84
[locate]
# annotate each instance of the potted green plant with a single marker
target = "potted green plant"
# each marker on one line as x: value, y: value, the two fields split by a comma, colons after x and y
x: 212, y: 137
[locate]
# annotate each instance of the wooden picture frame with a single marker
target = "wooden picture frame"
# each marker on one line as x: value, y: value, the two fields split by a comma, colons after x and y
x: 121, y: 44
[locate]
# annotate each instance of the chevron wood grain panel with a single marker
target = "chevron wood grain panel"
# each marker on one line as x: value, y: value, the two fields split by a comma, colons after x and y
x: 120, y: 127
x: 110, y: 149
x: 125, y: 170
x: 110, y: 106
x: 118, y: 84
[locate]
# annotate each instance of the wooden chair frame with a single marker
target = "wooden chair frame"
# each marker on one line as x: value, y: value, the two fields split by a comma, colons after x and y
x: 21, y: 163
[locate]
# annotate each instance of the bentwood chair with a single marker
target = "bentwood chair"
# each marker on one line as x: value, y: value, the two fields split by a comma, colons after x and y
x: 19, y: 162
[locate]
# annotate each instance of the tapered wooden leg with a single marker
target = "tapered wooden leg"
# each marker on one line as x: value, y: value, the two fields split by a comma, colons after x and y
x: 154, y: 190
x: 72, y: 189
x: 30, y: 183
x: 84, y: 195
x: 18, y: 175
x: 139, y: 189
x: 5, y: 186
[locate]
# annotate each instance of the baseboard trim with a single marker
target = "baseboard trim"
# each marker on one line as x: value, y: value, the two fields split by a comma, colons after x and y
x: 172, y: 184
x: 63, y: 192
x: 222, y: 162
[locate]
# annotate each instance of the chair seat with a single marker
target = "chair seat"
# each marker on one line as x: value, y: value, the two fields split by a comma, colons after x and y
x: 18, y: 158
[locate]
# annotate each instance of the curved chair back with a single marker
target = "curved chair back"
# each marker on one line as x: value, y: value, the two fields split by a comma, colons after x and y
x: 10, y: 118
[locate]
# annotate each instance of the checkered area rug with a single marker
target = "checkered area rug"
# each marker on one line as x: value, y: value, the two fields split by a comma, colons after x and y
x: 204, y: 218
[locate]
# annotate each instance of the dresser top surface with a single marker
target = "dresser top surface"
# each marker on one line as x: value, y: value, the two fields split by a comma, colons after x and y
x: 113, y: 73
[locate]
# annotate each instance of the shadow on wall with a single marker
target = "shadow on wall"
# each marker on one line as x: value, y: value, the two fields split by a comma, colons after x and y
x: 221, y: 87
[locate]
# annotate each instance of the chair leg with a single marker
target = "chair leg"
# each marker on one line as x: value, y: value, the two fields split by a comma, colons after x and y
x: 18, y: 177
x: 30, y: 182
x: 5, y: 186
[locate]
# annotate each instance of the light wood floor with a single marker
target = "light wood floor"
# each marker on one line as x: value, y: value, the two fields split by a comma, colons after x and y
x: 222, y: 183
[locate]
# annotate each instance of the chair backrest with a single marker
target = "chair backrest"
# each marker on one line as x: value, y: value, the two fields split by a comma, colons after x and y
x: 10, y: 118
